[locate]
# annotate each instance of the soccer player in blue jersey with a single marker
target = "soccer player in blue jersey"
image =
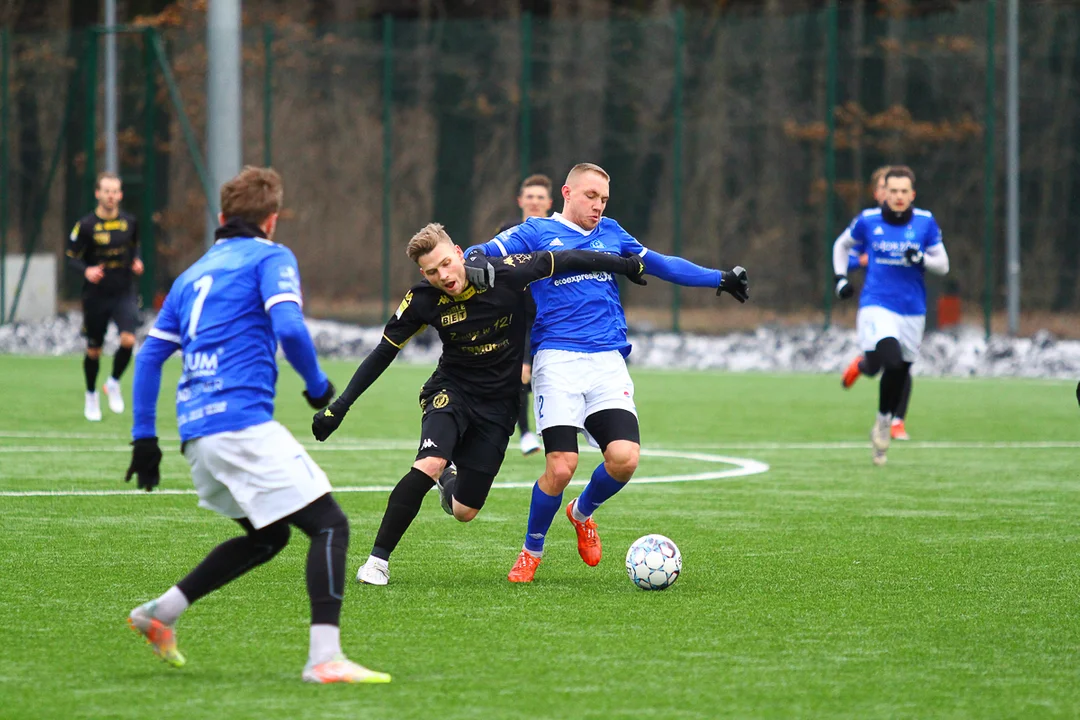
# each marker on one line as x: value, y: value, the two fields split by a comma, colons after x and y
x: 903, y: 242
x: 863, y: 365
x: 580, y: 382
x: 227, y: 314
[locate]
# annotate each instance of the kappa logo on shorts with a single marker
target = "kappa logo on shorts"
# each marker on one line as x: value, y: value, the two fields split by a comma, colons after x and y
x: 428, y: 443
x: 441, y: 400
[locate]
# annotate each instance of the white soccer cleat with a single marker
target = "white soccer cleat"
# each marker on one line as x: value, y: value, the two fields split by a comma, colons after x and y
x: 529, y: 444
x: 374, y: 572
x: 116, y: 398
x: 880, y: 435
x: 92, y: 407
x: 341, y: 670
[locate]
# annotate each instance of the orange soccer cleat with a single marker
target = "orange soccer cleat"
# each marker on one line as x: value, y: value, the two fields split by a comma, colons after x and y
x: 524, y: 569
x: 588, y: 541
x: 160, y: 637
x: 897, y: 430
x: 851, y: 373
x: 341, y: 669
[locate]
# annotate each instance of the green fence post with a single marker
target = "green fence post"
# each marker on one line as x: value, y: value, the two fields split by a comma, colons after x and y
x: 90, y: 140
x: 268, y: 90
x: 989, y: 179
x: 832, y: 18
x: 525, y: 149
x: 676, y: 160
x: 148, y: 281
x: 5, y: 47
x: 388, y: 158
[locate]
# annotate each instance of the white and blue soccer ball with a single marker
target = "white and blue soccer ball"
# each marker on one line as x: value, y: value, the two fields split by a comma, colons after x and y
x: 653, y: 562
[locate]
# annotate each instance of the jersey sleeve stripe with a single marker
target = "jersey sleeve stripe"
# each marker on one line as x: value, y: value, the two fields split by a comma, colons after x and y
x: 402, y: 345
x: 166, y: 336
x: 283, y: 297
x: 644, y: 252
x: 502, y: 248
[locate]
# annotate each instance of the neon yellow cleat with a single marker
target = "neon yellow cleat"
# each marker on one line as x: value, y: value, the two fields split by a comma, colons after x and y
x: 160, y: 636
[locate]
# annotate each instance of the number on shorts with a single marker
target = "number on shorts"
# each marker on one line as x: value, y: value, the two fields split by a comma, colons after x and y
x: 540, y: 405
x: 203, y: 286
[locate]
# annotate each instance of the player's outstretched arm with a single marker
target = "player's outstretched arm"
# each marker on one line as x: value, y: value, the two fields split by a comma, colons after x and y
x: 146, y: 455
x: 289, y: 328
x: 683, y: 272
x: 632, y: 267
x: 326, y: 421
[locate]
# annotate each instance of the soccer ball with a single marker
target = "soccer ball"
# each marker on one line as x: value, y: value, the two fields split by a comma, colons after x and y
x: 653, y: 562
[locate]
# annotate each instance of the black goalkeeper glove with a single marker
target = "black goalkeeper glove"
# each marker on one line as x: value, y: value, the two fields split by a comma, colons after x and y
x: 323, y: 400
x: 843, y: 287
x: 479, y: 271
x: 635, y: 270
x: 326, y: 421
x: 734, y: 281
x: 145, y: 463
x: 913, y: 257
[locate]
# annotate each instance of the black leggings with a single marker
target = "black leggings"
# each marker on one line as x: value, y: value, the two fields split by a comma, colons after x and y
x: 896, y: 374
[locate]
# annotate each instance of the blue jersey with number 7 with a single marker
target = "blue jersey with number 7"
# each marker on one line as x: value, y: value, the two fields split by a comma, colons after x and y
x: 217, y: 310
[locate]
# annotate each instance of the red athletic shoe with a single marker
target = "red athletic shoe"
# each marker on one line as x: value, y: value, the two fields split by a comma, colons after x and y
x: 851, y: 373
x: 524, y: 569
x: 897, y: 430
x: 588, y: 541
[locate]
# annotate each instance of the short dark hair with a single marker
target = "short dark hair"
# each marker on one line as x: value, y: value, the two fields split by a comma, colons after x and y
x: 537, y: 180
x: 253, y: 195
x: 107, y: 176
x: 901, y: 171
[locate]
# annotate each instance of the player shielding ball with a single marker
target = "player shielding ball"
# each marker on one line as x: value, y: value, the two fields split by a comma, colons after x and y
x: 470, y: 402
x: 903, y: 242
x: 104, y: 248
x: 579, y: 344
x: 227, y: 313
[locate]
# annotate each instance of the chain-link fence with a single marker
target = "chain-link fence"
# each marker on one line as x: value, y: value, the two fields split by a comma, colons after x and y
x: 730, y: 139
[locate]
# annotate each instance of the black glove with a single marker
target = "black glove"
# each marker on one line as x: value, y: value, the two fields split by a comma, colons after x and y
x: 843, y: 287
x: 734, y: 281
x: 1078, y: 393
x: 913, y: 257
x: 635, y: 270
x: 145, y: 463
x: 326, y: 421
x: 322, y: 400
x: 479, y: 271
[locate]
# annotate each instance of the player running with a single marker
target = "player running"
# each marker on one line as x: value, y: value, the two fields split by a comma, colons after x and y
x: 227, y: 313
x: 862, y: 365
x: 903, y: 242
x: 470, y: 402
x: 579, y: 344
x: 104, y: 248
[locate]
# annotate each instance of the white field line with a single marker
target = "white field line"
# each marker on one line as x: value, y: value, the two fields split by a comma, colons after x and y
x: 742, y: 467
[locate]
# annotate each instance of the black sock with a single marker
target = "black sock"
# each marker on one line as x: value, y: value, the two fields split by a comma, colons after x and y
x: 233, y: 558
x: 90, y: 370
x: 905, y: 397
x: 324, y: 522
x: 120, y: 362
x: 401, y: 509
x: 523, y: 410
x: 892, y: 387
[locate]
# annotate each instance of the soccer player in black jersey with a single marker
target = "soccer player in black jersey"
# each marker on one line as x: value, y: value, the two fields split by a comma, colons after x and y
x: 104, y: 248
x: 470, y: 402
x: 534, y: 199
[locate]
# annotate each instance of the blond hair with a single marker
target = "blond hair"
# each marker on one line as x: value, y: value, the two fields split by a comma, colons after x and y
x: 107, y: 176
x: 878, y: 175
x: 253, y: 195
x: 586, y: 167
x: 425, y: 241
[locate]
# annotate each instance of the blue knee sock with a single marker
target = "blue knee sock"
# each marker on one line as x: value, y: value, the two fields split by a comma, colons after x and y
x: 601, y: 487
x: 542, y: 511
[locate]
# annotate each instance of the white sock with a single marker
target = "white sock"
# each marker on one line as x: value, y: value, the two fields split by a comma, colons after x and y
x: 577, y: 515
x: 884, y: 418
x: 170, y: 605
x: 325, y: 643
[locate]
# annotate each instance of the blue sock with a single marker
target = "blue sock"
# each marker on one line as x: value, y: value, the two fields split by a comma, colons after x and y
x: 542, y: 511
x: 601, y: 486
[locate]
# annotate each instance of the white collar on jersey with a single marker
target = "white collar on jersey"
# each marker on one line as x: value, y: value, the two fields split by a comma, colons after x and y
x: 558, y: 217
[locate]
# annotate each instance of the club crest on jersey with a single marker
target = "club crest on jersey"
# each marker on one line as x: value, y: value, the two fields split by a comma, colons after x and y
x: 910, y: 234
x: 597, y: 244
x: 453, y: 315
x: 440, y: 400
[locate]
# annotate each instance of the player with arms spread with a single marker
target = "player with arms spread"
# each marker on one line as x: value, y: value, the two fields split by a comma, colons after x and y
x: 903, y: 243
x: 470, y: 402
x: 104, y: 248
x: 227, y: 313
x: 579, y: 344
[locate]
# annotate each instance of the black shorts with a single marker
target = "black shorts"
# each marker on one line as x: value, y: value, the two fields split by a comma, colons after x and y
x: 99, y: 309
x: 471, y: 433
